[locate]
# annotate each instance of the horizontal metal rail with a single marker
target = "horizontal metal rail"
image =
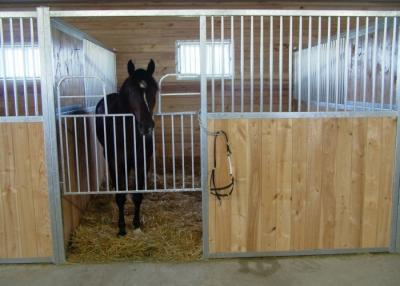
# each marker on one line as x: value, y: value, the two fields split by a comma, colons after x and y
x: 217, y: 12
x: 177, y: 190
x: 333, y: 114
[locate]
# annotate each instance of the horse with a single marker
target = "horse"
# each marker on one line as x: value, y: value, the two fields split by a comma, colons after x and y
x: 136, y: 96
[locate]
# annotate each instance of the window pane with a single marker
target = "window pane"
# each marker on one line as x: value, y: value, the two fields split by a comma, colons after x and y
x: 188, y: 58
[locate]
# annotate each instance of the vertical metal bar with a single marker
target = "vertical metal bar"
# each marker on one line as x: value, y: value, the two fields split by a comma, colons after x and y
x: 163, y: 150
x: 395, y: 224
x: 203, y: 135
x: 77, y: 157
x: 144, y: 162
x: 309, y: 64
x: 383, y: 63
x: 356, y: 63
x: 14, y: 66
x: 365, y: 63
x: 251, y: 63
x: 337, y: 64
x: 3, y: 54
x: 60, y: 133
x: 393, y: 58
x: 212, y: 66
x: 222, y: 66
x: 290, y: 61
x: 300, y: 64
x: 328, y: 52
x: 115, y: 155
x: 173, y: 149
x: 183, y: 153
x: 271, y: 63
x: 35, y: 92
x: 192, y: 147
x: 319, y: 63
x: 154, y: 160
x: 374, y: 63
x: 67, y: 151
x: 232, y: 64
x: 125, y: 155
x: 346, y: 63
x: 25, y: 64
x: 106, y: 153
x: 50, y: 131
x: 241, y: 66
x: 96, y: 154
x: 86, y: 155
x: 261, y: 64
x: 135, y: 151
x: 280, y: 61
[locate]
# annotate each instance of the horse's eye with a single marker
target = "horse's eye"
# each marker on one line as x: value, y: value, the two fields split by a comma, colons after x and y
x: 142, y: 84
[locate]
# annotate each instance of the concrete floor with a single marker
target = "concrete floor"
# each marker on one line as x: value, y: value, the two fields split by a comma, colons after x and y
x: 378, y: 269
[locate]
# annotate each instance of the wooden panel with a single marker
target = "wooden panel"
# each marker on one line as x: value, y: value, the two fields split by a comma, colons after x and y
x: 24, y: 213
x: 304, y: 184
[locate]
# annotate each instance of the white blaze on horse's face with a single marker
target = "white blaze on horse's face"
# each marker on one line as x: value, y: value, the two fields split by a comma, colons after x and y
x: 143, y: 85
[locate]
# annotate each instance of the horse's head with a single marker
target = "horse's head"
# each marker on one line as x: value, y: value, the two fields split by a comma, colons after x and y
x: 140, y: 90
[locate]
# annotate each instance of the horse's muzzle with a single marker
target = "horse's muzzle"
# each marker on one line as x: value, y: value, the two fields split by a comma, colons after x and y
x: 146, y: 129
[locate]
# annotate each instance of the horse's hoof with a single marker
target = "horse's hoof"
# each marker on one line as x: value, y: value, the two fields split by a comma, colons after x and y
x: 138, y: 231
x: 121, y: 233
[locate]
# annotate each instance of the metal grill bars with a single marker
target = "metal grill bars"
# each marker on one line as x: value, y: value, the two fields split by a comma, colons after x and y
x: 174, y: 165
x: 305, y: 63
x: 19, y: 67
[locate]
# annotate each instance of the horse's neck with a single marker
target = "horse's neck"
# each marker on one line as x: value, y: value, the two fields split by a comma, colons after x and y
x: 118, y: 104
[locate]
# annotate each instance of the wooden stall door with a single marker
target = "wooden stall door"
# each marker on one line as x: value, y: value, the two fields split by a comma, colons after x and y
x: 24, y: 204
x: 304, y: 184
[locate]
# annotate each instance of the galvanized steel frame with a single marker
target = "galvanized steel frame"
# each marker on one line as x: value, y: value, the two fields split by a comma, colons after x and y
x: 50, y: 133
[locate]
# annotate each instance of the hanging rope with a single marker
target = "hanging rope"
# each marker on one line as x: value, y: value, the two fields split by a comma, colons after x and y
x: 218, y: 192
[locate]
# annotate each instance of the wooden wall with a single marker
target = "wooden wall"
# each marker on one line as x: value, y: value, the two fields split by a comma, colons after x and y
x: 304, y: 184
x: 24, y: 203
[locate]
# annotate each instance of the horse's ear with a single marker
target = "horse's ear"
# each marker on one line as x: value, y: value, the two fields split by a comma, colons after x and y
x: 131, y: 68
x: 151, y: 67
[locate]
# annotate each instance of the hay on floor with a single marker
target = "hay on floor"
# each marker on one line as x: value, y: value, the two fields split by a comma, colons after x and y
x: 171, y: 229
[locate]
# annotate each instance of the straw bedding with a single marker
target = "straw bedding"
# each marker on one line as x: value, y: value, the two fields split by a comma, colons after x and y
x: 171, y: 230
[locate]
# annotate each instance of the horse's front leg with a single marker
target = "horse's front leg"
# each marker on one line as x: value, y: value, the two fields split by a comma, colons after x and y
x: 121, y: 199
x: 137, y: 198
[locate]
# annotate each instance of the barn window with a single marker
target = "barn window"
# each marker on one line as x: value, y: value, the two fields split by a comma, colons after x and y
x: 19, y: 62
x: 188, y: 59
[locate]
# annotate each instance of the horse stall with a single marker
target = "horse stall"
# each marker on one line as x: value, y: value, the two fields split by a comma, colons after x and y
x: 170, y: 220
x: 275, y: 133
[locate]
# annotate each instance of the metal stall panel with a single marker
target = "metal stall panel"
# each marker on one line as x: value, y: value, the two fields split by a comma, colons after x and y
x: 320, y: 184
x: 25, y: 217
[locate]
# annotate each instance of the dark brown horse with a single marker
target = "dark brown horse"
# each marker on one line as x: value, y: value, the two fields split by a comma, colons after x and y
x: 137, y: 96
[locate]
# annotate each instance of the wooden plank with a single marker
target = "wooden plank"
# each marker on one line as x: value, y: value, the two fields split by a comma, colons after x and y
x: 386, y: 182
x: 222, y: 207
x: 267, y: 221
x: 284, y: 180
x: 314, y: 184
x: 359, y: 145
x: 343, y: 182
x: 4, y: 183
x: 40, y: 190
x: 239, y: 200
x: 11, y: 214
x: 22, y: 158
x: 253, y: 150
x: 371, y: 189
x: 211, y: 199
x: 329, y: 145
x: 299, y: 183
